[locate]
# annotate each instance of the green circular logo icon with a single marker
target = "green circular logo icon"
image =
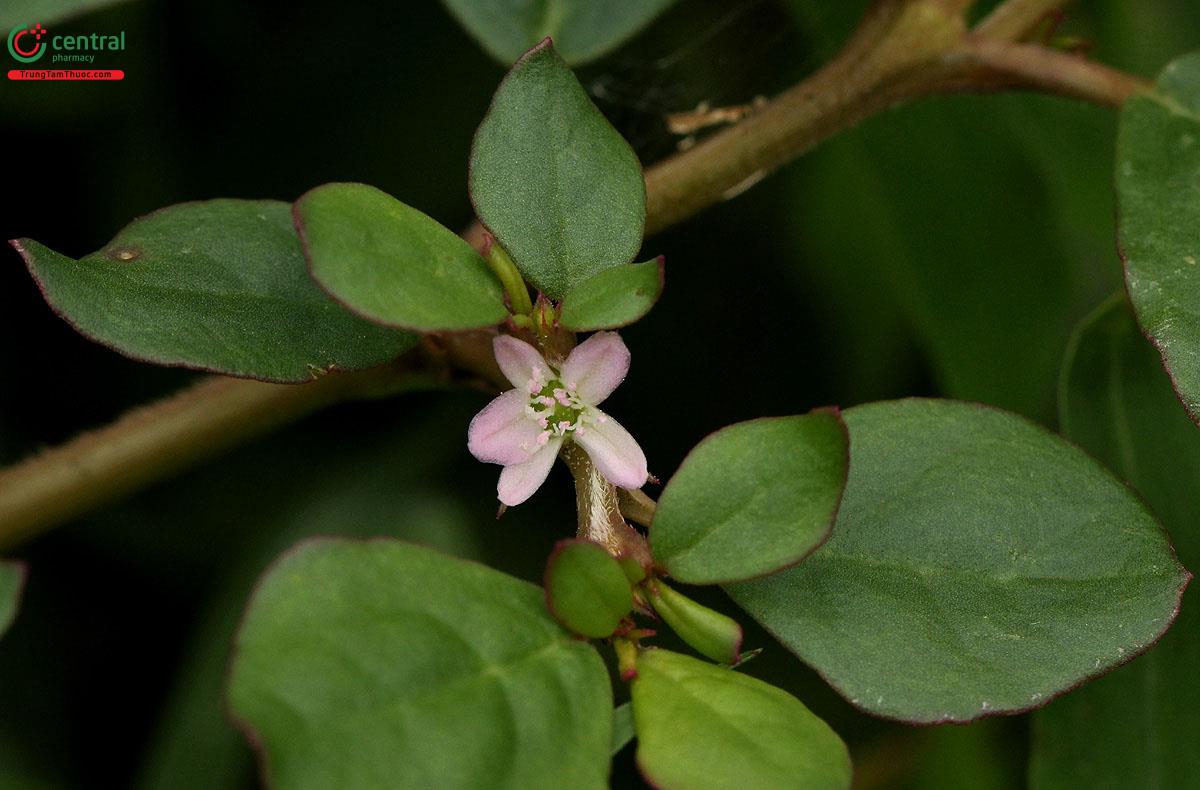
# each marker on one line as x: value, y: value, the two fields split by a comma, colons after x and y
x: 25, y: 43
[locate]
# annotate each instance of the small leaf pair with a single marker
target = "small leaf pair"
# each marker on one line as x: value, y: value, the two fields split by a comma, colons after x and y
x: 224, y: 285
x: 553, y: 182
x: 698, y: 725
x: 588, y: 591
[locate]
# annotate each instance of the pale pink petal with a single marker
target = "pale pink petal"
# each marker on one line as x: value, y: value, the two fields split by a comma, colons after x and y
x: 614, y: 452
x: 504, y: 433
x: 596, y: 366
x: 519, y: 481
x: 519, y: 361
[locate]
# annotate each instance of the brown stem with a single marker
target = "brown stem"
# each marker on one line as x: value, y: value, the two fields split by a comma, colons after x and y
x: 157, y: 441
x: 896, y: 42
x: 1051, y: 71
x: 902, y: 49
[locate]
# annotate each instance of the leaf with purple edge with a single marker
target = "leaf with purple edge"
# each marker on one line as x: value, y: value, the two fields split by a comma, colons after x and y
x: 1116, y: 401
x: 752, y: 498
x: 979, y: 565
x: 552, y: 180
x: 583, y: 30
x: 392, y: 264
x: 613, y: 298
x: 586, y: 588
x: 701, y: 726
x: 219, y: 285
x: 384, y: 664
x: 1158, y: 194
x: 12, y: 582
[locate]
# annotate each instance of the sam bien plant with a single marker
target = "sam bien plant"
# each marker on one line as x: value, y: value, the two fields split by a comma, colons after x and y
x: 934, y: 560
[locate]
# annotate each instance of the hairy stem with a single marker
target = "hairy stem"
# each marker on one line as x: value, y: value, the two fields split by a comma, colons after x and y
x: 597, y: 503
x: 902, y: 49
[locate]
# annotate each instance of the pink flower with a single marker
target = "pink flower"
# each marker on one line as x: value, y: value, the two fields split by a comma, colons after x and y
x: 523, y: 428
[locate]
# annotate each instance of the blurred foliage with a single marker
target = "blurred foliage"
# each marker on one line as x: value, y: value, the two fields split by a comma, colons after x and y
x: 29, y: 12
x: 1136, y: 725
x: 943, y: 248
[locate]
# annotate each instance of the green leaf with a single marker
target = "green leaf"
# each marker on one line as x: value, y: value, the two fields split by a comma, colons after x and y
x: 1136, y: 727
x: 12, y: 581
x: 622, y: 727
x: 552, y: 180
x: 218, y: 285
x: 710, y: 633
x: 392, y: 264
x: 979, y: 565
x: 583, y: 30
x: 613, y: 298
x: 1158, y: 191
x: 382, y: 664
x: 586, y: 589
x: 701, y: 726
x: 752, y: 498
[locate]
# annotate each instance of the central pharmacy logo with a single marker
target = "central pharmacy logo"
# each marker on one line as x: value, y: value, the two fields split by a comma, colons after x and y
x: 25, y: 43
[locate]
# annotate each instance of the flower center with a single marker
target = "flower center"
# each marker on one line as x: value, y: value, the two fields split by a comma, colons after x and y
x: 557, y: 408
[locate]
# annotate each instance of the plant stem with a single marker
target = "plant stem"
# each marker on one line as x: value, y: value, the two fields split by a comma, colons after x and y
x: 600, y: 519
x: 506, y: 271
x: 155, y: 442
x: 1052, y: 71
x: 895, y: 42
x: 901, y: 50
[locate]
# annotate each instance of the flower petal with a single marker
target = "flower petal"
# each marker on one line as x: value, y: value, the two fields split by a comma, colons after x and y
x: 596, y: 367
x: 503, y: 433
x: 519, y: 361
x: 519, y: 481
x: 614, y: 451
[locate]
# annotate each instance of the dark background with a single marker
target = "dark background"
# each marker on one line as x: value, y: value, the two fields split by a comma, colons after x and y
x: 944, y: 248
